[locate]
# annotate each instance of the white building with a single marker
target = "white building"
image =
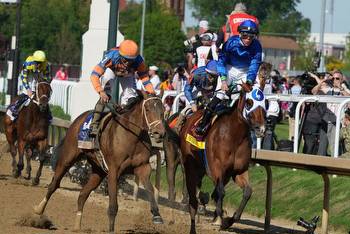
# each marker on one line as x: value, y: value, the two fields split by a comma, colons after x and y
x: 334, y: 43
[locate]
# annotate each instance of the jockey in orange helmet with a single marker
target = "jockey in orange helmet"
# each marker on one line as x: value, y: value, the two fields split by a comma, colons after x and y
x: 123, y: 61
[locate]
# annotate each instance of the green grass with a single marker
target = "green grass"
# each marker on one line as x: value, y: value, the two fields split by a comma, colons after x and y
x: 295, y: 193
x: 58, y: 112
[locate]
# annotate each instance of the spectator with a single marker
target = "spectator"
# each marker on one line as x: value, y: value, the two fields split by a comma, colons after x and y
x: 331, y: 84
x: 61, y: 74
x: 205, y: 52
x: 237, y: 16
x: 154, y: 78
x: 165, y: 86
x: 180, y: 79
x: 272, y: 113
x: 193, y: 43
x: 345, y: 134
x: 295, y: 90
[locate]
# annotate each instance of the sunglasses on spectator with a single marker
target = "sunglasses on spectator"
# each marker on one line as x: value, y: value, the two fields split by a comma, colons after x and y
x: 245, y: 35
x: 336, y: 78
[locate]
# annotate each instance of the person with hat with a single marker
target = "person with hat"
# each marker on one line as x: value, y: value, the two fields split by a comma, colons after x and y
x: 238, y: 63
x: 122, y: 61
x: 154, y: 78
x: 35, y: 65
x: 237, y: 16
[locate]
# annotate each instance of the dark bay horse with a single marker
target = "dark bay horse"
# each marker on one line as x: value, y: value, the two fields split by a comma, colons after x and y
x: 227, y: 150
x: 126, y: 146
x: 30, y: 131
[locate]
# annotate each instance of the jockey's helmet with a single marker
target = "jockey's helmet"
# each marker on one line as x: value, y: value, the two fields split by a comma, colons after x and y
x: 211, y: 67
x: 248, y: 26
x: 128, y: 49
x: 39, y: 56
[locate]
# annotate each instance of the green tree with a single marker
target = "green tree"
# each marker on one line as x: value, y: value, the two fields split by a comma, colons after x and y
x: 274, y: 15
x: 54, y: 26
x: 163, y: 38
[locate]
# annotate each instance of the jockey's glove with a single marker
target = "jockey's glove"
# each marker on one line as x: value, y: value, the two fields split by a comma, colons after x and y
x: 223, y: 78
x: 250, y: 82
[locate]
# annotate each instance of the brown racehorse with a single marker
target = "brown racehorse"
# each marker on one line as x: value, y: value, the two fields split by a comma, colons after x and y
x: 126, y: 146
x: 30, y: 131
x: 228, y: 152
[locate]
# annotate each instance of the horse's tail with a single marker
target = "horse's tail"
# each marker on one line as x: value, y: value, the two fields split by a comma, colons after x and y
x: 55, y: 154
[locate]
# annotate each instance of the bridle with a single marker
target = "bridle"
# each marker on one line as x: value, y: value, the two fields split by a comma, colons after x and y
x: 37, y: 98
x: 154, y: 123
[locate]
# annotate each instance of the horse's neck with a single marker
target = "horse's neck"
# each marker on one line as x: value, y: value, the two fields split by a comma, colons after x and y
x: 135, y: 115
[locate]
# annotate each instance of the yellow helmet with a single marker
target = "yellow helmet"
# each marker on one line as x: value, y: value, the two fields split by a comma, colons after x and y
x: 39, y: 56
x: 128, y: 49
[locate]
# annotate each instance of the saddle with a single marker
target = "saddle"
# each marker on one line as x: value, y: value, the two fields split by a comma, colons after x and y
x: 13, y: 111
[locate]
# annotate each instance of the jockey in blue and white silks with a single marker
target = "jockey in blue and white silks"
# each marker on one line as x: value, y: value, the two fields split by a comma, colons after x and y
x: 238, y: 63
x: 203, y: 80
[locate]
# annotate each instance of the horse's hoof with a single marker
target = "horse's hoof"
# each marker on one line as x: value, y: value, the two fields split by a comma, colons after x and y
x: 15, y: 174
x: 217, y: 222
x: 201, y: 210
x: 226, y: 223
x: 37, y: 210
x: 157, y: 219
x: 35, y: 181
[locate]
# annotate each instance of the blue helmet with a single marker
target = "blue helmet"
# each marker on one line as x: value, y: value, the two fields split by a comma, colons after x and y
x: 248, y: 26
x: 211, y: 67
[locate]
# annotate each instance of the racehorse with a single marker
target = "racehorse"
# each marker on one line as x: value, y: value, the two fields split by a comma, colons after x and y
x: 30, y: 131
x: 227, y: 150
x: 126, y: 145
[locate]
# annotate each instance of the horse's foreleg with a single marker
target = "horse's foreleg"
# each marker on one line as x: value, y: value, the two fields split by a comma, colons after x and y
x: 63, y: 164
x: 218, y: 197
x: 94, y: 181
x: 42, y: 147
x: 192, y: 180
x: 143, y: 172
x: 170, y: 158
x: 113, y: 200
x: 29, y: 154
x: 13, y: 151
x: 20, y: 164
x: 242, y: 181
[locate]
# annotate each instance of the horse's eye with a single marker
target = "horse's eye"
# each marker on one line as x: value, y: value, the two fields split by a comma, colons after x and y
x: 249, y: 103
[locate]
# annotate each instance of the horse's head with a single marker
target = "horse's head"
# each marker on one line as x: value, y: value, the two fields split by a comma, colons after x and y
x: 43, y: 94
x: 153, y: 112
x: 252, y: 105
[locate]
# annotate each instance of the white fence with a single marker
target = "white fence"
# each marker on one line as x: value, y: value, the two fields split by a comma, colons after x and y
x: 61, y: 94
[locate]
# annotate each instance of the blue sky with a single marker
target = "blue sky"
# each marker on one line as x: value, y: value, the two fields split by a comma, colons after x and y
x: 312, y: 9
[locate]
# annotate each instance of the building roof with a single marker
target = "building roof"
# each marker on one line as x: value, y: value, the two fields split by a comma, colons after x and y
x: 282, y: 43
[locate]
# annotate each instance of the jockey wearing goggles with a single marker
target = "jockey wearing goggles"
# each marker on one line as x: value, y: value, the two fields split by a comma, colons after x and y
x: 203, y: 79
x: 123, y: 61
x: 238, y: 63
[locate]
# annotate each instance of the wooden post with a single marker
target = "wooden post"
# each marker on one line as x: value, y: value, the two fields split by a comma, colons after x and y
x: 268, y: 202
x: 325, y: 211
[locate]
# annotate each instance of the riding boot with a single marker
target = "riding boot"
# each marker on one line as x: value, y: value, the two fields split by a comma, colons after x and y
x: 21, y: 99
x: 200, y: 130
x: 96, y: 119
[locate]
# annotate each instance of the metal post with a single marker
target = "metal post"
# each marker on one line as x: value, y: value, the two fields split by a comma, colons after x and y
x: 113, y: 24
x: 112, y: 33
x: 12, y: 86
x: 323, y: 15
x: 142, y: 27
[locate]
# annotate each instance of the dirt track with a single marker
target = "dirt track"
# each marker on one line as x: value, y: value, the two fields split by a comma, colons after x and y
x: 17, y: 198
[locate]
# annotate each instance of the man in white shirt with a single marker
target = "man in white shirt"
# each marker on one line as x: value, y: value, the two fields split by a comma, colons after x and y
x: 154, y: 78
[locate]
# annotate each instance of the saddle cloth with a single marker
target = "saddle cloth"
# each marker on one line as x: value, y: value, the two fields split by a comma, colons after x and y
x: 12, y: 113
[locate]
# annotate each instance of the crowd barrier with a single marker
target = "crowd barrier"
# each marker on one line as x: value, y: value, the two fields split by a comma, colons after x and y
x: 61, y: 94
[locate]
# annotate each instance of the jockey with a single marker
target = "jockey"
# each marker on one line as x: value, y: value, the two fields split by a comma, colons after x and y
x: 34, y: 65
x: 203, y: 79
x: 122, y: 61
x: 239, y: 62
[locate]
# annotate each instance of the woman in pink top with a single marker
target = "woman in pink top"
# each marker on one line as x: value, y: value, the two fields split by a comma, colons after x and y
x: 61, y: 74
